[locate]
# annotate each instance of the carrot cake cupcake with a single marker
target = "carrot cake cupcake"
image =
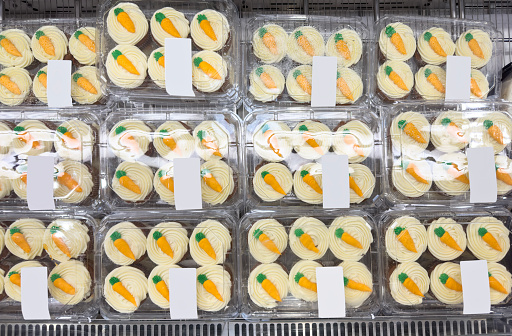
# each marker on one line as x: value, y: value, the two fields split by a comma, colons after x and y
x: 6, y: 137
x: 346, y: 45
x: 395, y: 79
x: 430, y: 82
x: 15, y: 49
x: 85, y: 85
x: 312, y: 139
x: 500, y: 282
x: 213, y: 288
x: 488, y: 238
x: 19, y: 180
x: 129, y: 139
x: 49, y: 43
x: 73, y: 182
x: 173, y: 140
x: 12, y: 279
x: 446, y: 239
x: 302, y: 280
x: 32, y: 137
x: 412, y: 178
x: 158, y: 285
x: 24, y: 238
x: 434, y: 45
x: 2, y: 274
x: 210, y: 30
x: 406, y: 239
x: 350, y: 237
x: 349, y: 86
x: 82, y: 45
x: 209, y: 71
x: 492, y: 130
x: 39, y: 84
x: 156, y: 66
x: 164, y: 183
x: 126, y: 24
x: 362, y: 182
x: 70, y: 282
x: 209, y: 243
x: 167, y: 243
x: 211, y: 140
x: 269, y: 43
x: 268, y: 285
x: 125, y: 288
x: 358, y: 283
x: 446, y: 283
x: 307, y: 183
x: 168, y: 23
x: 479, y: 85
x: 217, y: 182
x: 267, y: 240
x: 309, y: 238
x: 132, y: 181
x: 74, y: 140
x: 354, y: 139
x: 409, y: 283
x: 503, y: 167
x: 126, y: 66
x: 397, y: 42
x: 451, y: 173
x: 450, y: 131
x: 15, y: 84
x: 124, y: 243
x: 476, y: 44
x: 272, y: 141
x: 272, y: 182
x: 304, y: 43
x: 6, y: 174
x: 266, y: 83
x: 66, y: 238
x: 410, y: 133
x: 298, y: 83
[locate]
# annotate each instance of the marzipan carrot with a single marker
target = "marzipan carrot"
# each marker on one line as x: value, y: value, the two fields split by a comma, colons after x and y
x: 62, y: 284
x: 166, y: 180
x: 265, y: 78
x: 271, y: 139
x: 494, y: 131
x: 434, y: 44
x: 59, y: 242
x: 42, y: 77
x: 271, y: 181
x: 303, y: 42
x: 67, y: 180
x: 396, y: 78
x: 268, y: 286
x: 454, y: 171
x: 123, y: 61
x: 161, y: 287
x: 162, y: 242
x: 306, y: 240
x: 446, y: 238
x: 67, y: 138
x: 409, y: 284
x: 45, y: 42
x: 169, y: 141
x: 127, y: 182
x: 403, y: 236
x: 210, y: 180
x: 118, y: 287
x: 86, y: 40
x: 266, y: 241
x: 159, y: 57
x: 349, y: 139
x: 9, y: 84
x: 207, y: 68
x: 396, y: 39
x: 303, y: 129
x: 356, y: 285
x: 503, y: 176
x: 209, y: 286
x: 347, y: 238
x: 127, y: 140
x: 411, y: 130
x: 343, y: 87
x: 413, y: 170
x: 353, y: 185
x: 19, y: 239
x: 302, y: 81
x: 453, y: 129
x: 434, y: 80
x: 206, y: 26
x: 489, y: 239
x: 475, y: 89
x: 84, y: 83
x: 23, y: 177
x: 305, y: 282
x: 342, y: 46
x: 450, y: 282
x: 208, y: 142
x: 121, y: 245
x: 268, y: 40
x: 496, y: 285
x: 310, y: 181
x: 474, y: 46
x: 9, y: 46
x: 15, y: 278
x: 205, y: 245
x: 167, y: 24
x: 25, y: 136
x: 124, y: 19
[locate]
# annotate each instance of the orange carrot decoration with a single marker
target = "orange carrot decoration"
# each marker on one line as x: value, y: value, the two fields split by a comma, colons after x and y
x: 409, y: 284
x: 59, y: 242
x: 396, y: 39
x: 19, y: 239
x: 475, y: 89
x: 62, y: 284
x: 489, y: 239
x: 169, y: 141
x: 342, y: 46
x: 456, y: 173
x: 120, y: 289
x: 434, y: 80
x: 167, y: 25
x: 15, y: 278
x: 25, y: 136
x: 434, y: 44
x: 305, y: 282
x: 209, y: 142
x: 496, y: 285
x: 271, y: 139
x: 453, y: 129
x: 123, y: 61
x: 166, y: 180
x: 162, y: 242
x: 265, y: 78
x: 161, y: 287
x: 268, y: 286
x: 68, y: 181
x: 84, y: 83
x: 205, y: 245
x: 207, y: 68
x: 306, y: 134
x: 413, y: 170
x: 86, y: 40
x: 9, y: 84
x: 67, y: 138
x: 9, y: 46
x: 494, y: 131
x: 42, y: 77
x: 310, y: 181
x: 206, y: 26
x: 396, y: 78
x: 160, y: 59
x: 502, y: 175
x: 446, y: 238
x: 45, y: 42
x: 303, y: 42
x: 343, y: 87
x: 266, y: 241
x: 271, y: 181
x: 356, y: 285
x: 353, y: 185
x: 474, y: 46
x: 124, y: 19
x: 268, y: 40
x: 306, y: 240
x: 210, y: 180
x: 403, y: 236
x: 121, y: 245
x: 450, y: 282
x: 209, y: 286
x: 127, y: 182
x: 302, y: 81
x: 350, y: 139
x: 23, y: 177
x: 347, y: 238
x: 411, y: 130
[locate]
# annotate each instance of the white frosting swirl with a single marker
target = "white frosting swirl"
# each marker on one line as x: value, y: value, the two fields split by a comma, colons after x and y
x: 354, y: 44
x: 22, y: 79
x: 2, y: 245
x: 502, y: 275
x: 316, y: 130
x: 72, y: 232
x: 292, y: 86
x: 428, y: 55
x: 446, y: 140
x: 201, y: 80
x: 406, y: 184
x: 38, y: 88
x: 259, y: 90
x: 295, y: 50
x: 155, y: 70
x: 358, y: 228
x: 2, y: 273
x: 164, y: 193
x: 441, y: 292
x: 276, y: 275
x: 12, y: 290
x: 308, y: 269
x: 275, y: 231
x: 177, y: 238
x: 132, y: 235
x: 220, y: 26
x: 211, y: 131
x: 355, y: 84
x: 505, y: 165
x: 481, y: 137
x: 364, y: 178
x: 394, y: 247
x: 303, y: 190
x: 6, y: 137
x: 261, y: 51
x: 178, y: 20
x: 218, y: 236
x: 181, y: 135
x: 387, y: 86
x: 426, y: 89
x: 224, y: 175
x: 318, y: 233
x: 119, y: 33
x: 361, y: 134
x: 19, y: 187
x: 75, y: 274
x: 33, y: 231
x: 79, y: 150
x: 282, y: 175
x: 163, y: 272
x: 359, y: 273
x: 389, y: 50
x: 81, y: 95
x: 479, y: 247
x: 402, y: 141
x: 417, y: 274
x: 485, y: 43
x: 140, y: 174
x: 438, y: 248
x: 22, y: 43
x: 134, y: 281
x: 222, y: 280
x: 57, y: 38
x: 79, y: 50
x: 5, y: 185
x: 276, y: 133
x: 119, y: 75
x: 78, y: 172
x: 482, y: 82
x: 121, y: 143
x: 443, y: 173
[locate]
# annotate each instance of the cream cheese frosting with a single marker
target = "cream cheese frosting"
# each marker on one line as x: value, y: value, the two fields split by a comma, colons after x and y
x: 135, y: 283
x: 504, y: 164
x: 269, y: 43
x: 175, y: 131
x: 12, y: 290
x: 84, y: 54
x: 388, y: 86
x: 129, y: 139
x: 416, y: 273
x: 304, y: 75
x: 358, y: 272
x: 200, y: 79
x: 312, y: 139
x: 272, y: 229
x: 80, y: 174
x: 272, y: 141
x: 221, y: 279
x: 304, y: 43
x: 449, y: 178
x: 22, y: 84
x: 211, y: 139
x: 38, y: 87
x: 2, y: 245
x: 345, y: 39
x: 32, y: 137
x: 21, y: 42
x: 354, y: 139
x: 389, y: 50
x: 482, y: 39
x: 303, y: 190
x: 307, y: 269
x: 364, y: 179
x: 72, y: 233
x: 55, y: 37
x: 439, y: 233
x: 354, y: 226
x: 140, y: 174
x: 2, y: 273
x: 448, y: 137
x: 17, y: 180
x: 79, y: 146
x: 132, y: 235
x: 477, y: 239
x: 5, y: 185
x: 176, y: 237
x: 480, y: 132
x: 481, y: 82
x: 138, y: 26
x: 282, y: 175
x: 6, y: 138
x: 163, y: 190
x: 33, y: 231
x: 155, y: 70
x: 159, y: 273
x: 224, y: 176
x: 119, y: 75
x: 87, y: 95
x: 428, y: 38
x: 353, y: 81
x: 397, y: 232
x: 219, y: 238
x: 264, y: 89
x: 305, y: 229
x: 218, y: 23
x: 76, y: 275
x: 404, y: 142
x: 406, y: 183
x: 439, y: 275
x: 502, y: 275
x: 273, y: 273
x: 424, y: 79
x: 178, y: 20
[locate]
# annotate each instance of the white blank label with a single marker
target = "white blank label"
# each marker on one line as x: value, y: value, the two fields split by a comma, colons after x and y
x: 483, y: 187
x: 331, y: 292
x: 182, y: 293
x: 335, y: 181
x: 187, y: 183
x: 323, y: 84
x: 59, y: 84
x: 34, y: 293
x: 178, y: 67
x: 40, y: 171
x: 458, y: 78
x: 476, y: 292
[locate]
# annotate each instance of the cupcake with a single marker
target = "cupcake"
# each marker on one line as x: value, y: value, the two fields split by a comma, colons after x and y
x: 267, y: 240
x: 73, y: 182
x: 446, y: 239
x: 167, y: 243
x: 488, y: 238
x: 307, y: 183
x: 209, y: 299
x: 302, y: 280
x: 131, y: 283
x: 19, y: 180
x: 269, y: 43
x: 410, y: 133
x: 15, y: 51
x: 500, y: 282
x: 450, y: 131
x: 32, y: 137
x: 312, y: 139
x: 129, y: 139
x: 49, y: 43
x: 24, y: 238
x: 346, y: 46
x: 209, y: 71
x: 476, y: 44
x: 350, y: 237
x: 304, y: 43
x: 266, y: 83
x: 406, y: 239
x: 82, y: 45
x: 268, y: 285
x: 126, y: 24
x: 14, y: 86
x: 451, y: 173
x: 163, y: 181
x: 272, y: 141
x: 12, y: 280
x: 397, y: 42
x: 409, y: 283
x: 168, y: 23
x: 494, y: 129
x: 217, y: 182
x: 503, y: 167
x: 434, y: 45
x: 6, y: 138
x: 126, y: 66
x: 309, y: 238
x: 156, y: 66
x: 124, y: 243
x: 349, y: 86
x: 430, y: 82
x: 74, y: 140
x: 66, y: 238
x: 70, y: 282
x: 354, y: 139
x: 158, y: 285
x: 173, y: 140
x: 395, y: 79
x: 211, y: 140
x: 412, y: 178
x: 298, y: 83
x: 85, y: 86
x: 209, y: 30
x: 362, y: 182
x: 39, y: 85
x: 358, y: 283
x: 446, y: 283
x: 272, y: 181
x: 479, y: 85
x: 132, y: 181
x: 209, y: 243
x: 5, y: 183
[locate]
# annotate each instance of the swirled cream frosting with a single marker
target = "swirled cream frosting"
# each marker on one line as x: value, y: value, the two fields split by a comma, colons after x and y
x: 406, y: 239
x: 263, y: 236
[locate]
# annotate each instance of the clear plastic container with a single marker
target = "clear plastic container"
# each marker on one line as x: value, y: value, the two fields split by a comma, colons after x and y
x: 229, y: 91
x: 208, y: 306
x: 490, y: 72
x: 84, y: 305
x: 294, y: 154
x: 445, y: 145
x: 291, y: 306
x: 327, y: 27
x: 430, y: 304
x: 147, y: 126
x: 77, y: 157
